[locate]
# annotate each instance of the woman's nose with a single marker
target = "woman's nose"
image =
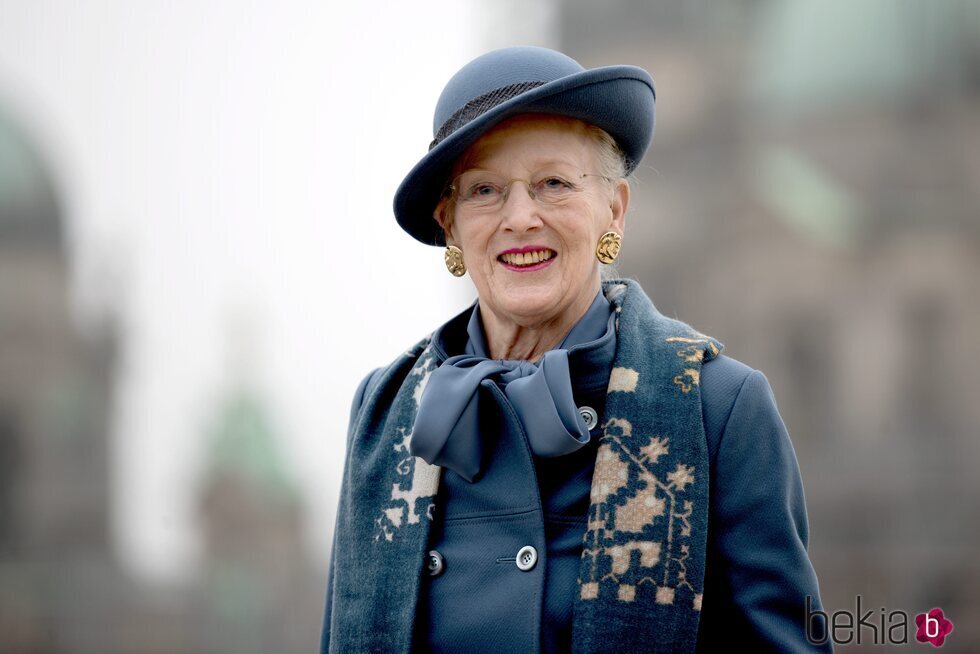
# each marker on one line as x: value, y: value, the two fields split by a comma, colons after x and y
x: 520, y: 210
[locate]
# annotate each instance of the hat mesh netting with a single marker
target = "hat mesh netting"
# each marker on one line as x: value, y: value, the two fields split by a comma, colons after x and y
x: 479, y: 105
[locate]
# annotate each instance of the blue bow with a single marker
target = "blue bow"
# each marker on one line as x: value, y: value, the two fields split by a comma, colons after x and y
x: 447, y: 426
x: 447, y: 429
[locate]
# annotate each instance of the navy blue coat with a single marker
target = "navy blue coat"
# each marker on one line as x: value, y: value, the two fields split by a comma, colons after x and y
x: 757, y: 572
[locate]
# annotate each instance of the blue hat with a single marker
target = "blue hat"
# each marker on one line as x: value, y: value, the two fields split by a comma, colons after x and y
x: 510, y: 81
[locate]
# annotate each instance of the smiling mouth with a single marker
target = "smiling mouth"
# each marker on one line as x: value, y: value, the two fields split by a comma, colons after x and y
x: 521, y: 259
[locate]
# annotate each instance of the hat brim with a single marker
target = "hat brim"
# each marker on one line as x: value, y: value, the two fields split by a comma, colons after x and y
x: 617, y: 99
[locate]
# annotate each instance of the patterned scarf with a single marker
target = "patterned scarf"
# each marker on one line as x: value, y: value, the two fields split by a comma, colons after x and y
x: 643, y: 559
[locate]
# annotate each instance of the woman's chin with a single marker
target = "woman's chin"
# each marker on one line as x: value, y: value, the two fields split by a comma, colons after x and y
x: 529, y: 304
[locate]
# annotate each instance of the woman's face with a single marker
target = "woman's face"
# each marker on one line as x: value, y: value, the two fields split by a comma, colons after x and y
x: 566, y: 277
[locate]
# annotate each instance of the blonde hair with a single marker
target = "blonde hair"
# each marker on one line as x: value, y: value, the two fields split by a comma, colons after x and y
x: 612, y: 160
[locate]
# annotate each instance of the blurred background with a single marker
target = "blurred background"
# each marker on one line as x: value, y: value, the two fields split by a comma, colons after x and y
x: 198, y: 263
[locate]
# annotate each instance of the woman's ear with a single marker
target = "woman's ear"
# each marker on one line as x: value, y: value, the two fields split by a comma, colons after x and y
x: 618, y: 206
x: 443, y: 215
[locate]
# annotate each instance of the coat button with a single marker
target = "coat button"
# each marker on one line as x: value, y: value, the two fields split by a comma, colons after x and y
x: 526, y: 558
x: 589, y: 416
x: 434, y: 563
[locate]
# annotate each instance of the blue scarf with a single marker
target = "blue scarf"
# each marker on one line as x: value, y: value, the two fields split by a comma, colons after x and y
x: 447, y: 427
x: 643, y: 558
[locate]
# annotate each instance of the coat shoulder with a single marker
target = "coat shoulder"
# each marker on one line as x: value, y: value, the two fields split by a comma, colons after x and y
x: 722, y: 379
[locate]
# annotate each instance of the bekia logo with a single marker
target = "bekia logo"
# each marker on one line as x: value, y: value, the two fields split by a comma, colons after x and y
x: 933, y: 627
x: 881, y: 627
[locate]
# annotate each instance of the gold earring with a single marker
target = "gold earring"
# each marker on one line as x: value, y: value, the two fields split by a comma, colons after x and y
x: 607, y: 249
x: 454, y: 261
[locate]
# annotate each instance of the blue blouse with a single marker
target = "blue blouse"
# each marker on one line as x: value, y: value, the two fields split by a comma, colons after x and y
x: 482, y: 601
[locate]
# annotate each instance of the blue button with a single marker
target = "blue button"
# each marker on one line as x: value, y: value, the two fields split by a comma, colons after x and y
x: 434, y: 563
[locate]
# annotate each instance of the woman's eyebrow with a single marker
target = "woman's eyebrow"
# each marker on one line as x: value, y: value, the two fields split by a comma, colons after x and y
x: 538, y: 167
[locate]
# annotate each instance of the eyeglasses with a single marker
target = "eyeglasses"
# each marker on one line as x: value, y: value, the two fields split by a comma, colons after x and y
x: 482, y: 191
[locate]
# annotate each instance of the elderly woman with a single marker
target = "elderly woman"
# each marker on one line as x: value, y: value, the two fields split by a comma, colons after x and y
x: 559, y: 467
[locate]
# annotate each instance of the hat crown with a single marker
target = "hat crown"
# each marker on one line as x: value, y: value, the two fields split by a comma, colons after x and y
x: 497, y: 69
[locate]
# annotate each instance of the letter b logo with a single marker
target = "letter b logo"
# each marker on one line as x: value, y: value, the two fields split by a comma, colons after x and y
x: 933, y: 627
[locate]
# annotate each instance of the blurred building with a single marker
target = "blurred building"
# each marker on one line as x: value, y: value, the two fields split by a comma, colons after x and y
x: 55, y: 394
x: 812, y: 199
x: 62, y: 588
x: 258, y: 579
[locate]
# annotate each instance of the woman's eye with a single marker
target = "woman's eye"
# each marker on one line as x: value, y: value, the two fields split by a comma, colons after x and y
x: 555, y: 183
x: 482, y: 190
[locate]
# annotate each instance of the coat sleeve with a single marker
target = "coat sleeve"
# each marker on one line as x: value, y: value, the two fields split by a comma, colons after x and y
x: 354, y: 410
x: 758, y: 572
